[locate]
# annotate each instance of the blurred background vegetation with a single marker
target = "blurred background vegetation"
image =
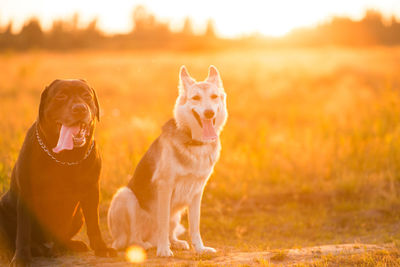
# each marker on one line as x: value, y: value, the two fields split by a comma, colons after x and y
x: 149, y: 32
x: 310, y: 150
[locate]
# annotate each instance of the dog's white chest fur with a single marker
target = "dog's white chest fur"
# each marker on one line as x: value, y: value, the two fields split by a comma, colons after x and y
x: 196, y: 162
x: 185, y: 189
x: 191, y: 177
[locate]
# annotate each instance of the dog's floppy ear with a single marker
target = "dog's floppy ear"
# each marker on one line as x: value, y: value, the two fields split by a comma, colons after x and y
x: 185, y: 81
x: 43, y: 98
x: 96, y: 102
x: 213, y: 77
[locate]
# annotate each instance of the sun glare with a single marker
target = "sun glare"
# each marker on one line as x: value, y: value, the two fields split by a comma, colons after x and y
x: 231, y: 18
x: 237, y: 18
x: 281, y: 17
x: 135, y: 254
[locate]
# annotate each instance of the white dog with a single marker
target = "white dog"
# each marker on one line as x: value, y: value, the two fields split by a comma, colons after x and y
x: 172, y: 174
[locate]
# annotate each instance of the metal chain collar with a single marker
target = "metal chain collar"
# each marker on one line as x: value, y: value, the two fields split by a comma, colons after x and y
x: 68, y: 163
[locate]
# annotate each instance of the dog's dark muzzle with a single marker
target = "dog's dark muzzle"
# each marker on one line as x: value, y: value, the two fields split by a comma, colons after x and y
x: 79, y: 109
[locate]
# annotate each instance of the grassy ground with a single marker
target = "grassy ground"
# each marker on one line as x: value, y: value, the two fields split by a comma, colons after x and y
x: 311, y: 151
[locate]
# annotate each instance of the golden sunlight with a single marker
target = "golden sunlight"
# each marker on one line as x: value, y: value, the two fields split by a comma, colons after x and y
x: 308, y: 161
x: 135, y: 254
x: 232, y: 18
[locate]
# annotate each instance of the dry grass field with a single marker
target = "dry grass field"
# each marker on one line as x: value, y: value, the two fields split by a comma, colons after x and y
x: 311, y: 149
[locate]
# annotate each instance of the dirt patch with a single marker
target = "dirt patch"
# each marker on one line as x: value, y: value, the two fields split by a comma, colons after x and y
x: 284, y: 257
x: 292, y: 256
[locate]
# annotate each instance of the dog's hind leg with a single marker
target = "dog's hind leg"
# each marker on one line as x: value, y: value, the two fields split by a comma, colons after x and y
x: 177, y: 229
x: 138, y: 223
x: 120, y: 242
x: 118, y: 219
x: 127, y: 222
x: 119, y: 232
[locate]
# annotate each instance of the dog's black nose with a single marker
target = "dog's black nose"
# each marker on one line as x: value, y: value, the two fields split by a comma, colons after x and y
x: 79, y: 108
x: 209, y: 113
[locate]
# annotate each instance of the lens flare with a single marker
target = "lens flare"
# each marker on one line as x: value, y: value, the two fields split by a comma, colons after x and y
x: 135, y: 254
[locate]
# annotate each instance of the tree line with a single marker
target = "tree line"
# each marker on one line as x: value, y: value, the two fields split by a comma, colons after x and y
x: 147, y: 32
x: 371, y: 30
x: 150, y: 33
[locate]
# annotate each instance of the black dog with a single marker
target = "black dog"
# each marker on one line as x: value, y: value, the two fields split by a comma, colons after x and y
x: 55, y: 178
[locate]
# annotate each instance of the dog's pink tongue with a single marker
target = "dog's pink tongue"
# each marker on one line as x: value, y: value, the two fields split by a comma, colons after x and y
x: 65, y: 140
x: 208, y: 130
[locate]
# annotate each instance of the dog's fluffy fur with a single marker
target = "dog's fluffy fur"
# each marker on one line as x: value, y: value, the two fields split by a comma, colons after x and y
x: 173, y: 173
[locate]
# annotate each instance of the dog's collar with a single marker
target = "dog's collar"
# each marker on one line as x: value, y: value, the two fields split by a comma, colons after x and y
x: 191, y: 141
x: 194, y: 142
x: 171, y: 127
x: 67, y: 163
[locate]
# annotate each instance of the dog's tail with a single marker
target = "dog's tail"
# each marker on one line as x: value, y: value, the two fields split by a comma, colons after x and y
x: 180, y: 230
x: 119, y: 219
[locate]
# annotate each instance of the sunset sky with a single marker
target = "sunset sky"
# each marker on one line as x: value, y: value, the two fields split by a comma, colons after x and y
x: 232, y: 18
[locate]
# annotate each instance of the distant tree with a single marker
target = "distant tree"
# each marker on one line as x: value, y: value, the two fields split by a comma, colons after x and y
x: 210, y: 29
x: 31, y: 34
x: 57, y: 35
x: 187, y: 28
x: 8, y: 30
x: 147, y: 28
x: 143, y: 21
x: 7, y: 38
x: 75, y: 22
x: 372, y: 16
x: 91, y: 35
x: 92, y: 29
x: 394, y: 32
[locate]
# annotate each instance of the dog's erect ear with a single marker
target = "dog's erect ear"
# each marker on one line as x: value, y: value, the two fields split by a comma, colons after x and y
x: 185, y: 80
x: 213, y: 77
x: 96, y: 102
x: 43, y: 98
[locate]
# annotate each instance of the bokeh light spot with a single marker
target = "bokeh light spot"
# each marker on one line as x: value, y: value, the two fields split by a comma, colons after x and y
x: 135, y: 254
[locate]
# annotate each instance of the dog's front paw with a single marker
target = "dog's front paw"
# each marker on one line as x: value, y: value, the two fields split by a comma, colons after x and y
x: 202, y: 250
x: 147, y: 245
x: 77, y: 246
x: 180, y: 244
x: 106, y: 252
x: 164, y: 252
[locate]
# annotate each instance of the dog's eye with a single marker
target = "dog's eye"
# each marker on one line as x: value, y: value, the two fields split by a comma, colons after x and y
x: 87, y: 96
x: 196, y: 97
x: 214, y: 96
x: 61, y: 97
